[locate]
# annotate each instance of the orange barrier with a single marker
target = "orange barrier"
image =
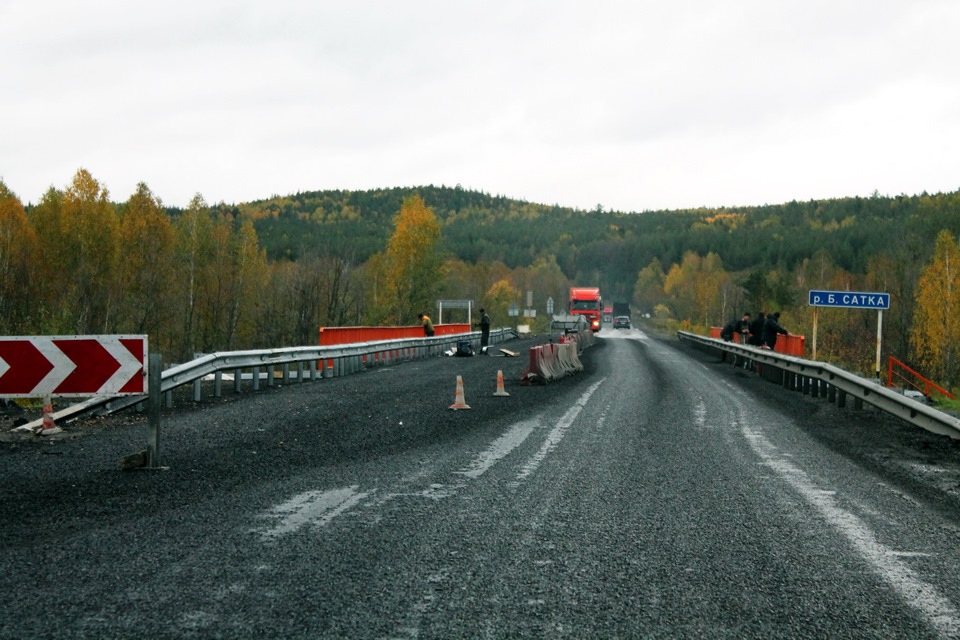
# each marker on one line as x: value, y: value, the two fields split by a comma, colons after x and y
x: 789, y: 345
x: 347, y: 335
x: 551, y: 362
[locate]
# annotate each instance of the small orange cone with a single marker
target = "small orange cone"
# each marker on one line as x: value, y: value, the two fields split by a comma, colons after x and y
x: 49, y: 427
x: 500, y: 390
x: 459, y: 402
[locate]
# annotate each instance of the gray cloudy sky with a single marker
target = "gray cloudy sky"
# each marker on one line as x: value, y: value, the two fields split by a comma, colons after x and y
x: 631, y: 105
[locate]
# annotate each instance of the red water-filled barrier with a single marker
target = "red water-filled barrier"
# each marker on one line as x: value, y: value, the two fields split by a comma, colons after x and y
x: 348, y: 335
x: 789, y: 345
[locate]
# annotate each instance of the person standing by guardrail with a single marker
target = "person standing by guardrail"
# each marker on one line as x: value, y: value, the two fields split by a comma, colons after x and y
x: 771, y: 328
x: 427, y: 324
x: 743, y: 328
x: 756, y: 329
x: 484, y: 330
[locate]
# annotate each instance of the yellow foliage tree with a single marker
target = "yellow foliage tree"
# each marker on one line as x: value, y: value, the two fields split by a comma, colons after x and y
x: 91, y: 232
x: 936, y: 321
x: 648, y: 290
x: 147, y: 269
x: 497, y: 300
x: 413, y: 266
x: 695, y: 289
x: 17, y: 248
x: 193, y: 232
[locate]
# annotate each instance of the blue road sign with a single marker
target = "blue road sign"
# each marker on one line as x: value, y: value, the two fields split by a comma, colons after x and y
x: 849, y: 299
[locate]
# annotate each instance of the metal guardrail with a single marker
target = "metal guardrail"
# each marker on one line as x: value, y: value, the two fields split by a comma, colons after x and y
x: 313, y: 361
x: 820, y: 378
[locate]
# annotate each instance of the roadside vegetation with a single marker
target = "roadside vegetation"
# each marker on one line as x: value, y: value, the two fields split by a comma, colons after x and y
x: 269, y: 273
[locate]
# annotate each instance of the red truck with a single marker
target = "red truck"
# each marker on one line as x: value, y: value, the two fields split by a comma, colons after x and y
x: 585, y: 301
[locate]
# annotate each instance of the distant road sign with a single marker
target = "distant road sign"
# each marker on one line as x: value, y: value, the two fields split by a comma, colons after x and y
x: 849, y: 299
x: 79, y: 366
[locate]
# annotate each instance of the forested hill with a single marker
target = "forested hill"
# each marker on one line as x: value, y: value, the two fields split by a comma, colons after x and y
x: 606, y: 246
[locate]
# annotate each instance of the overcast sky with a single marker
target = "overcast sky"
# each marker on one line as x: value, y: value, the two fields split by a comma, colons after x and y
x: 633, y: 105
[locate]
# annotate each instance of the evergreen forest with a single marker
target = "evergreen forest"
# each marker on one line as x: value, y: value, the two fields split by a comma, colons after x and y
x: 269, y: 273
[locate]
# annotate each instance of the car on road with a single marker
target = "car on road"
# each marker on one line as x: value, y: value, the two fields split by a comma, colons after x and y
x: 621, y: 322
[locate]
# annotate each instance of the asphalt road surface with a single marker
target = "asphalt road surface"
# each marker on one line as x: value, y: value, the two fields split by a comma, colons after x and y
x: 658, y: 494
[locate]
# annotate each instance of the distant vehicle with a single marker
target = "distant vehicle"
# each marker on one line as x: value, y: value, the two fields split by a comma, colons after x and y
x: 585, y: 301
x: 621, y: 309
x: 621, y: 322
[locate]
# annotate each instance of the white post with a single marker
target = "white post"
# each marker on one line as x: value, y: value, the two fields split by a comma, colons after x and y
x: 815, y: 314
x: 879, y: 338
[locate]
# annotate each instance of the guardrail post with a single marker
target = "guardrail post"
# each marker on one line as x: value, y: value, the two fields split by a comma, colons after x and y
x: 153, y: 410
x: 841, y: 398
x: 271, y: 374
x: 815, y: 388
x: 218, y: 384
x: 831, y: 393
x: 196, y: 390
x: 313, y: 370
x: 858, y: 403
x: 256, y: 378
x: 237, y: 380
x: 806, y: 385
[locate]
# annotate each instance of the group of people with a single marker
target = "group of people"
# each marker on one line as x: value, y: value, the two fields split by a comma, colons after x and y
x: 761, y: 331
x: 484, y: 325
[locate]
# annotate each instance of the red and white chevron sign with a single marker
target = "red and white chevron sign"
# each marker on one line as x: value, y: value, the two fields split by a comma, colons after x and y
x: 79, y: 366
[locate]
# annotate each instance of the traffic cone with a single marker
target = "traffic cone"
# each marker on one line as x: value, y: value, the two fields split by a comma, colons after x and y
x: 500, y: 390
x: 49, y: 427
x: 459, y: 402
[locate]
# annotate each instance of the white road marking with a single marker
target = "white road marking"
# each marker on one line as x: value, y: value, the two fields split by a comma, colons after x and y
x: 556, y: 434
x: 700, y: 414
x: 315, y: 508
x: 513, y: 438
x: 318, y: 508
x: 917, y: 593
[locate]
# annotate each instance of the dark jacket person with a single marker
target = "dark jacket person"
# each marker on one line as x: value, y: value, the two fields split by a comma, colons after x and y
x: 756, y: 329
x: 484, y: 329
x: 770, y: 330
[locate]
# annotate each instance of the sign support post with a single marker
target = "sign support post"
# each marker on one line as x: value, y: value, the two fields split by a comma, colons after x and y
x: 879, y: 334
x: 816, y: 313
x: 153, y: 411
x: 850, y: 300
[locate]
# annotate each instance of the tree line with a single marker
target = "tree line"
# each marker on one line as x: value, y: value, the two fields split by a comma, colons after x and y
x: 269, y: 273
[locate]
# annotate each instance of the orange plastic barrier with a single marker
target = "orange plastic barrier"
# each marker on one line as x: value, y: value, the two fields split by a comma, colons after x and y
x: 788, y: 345
x: 348, y: 335
x: 551, y: 362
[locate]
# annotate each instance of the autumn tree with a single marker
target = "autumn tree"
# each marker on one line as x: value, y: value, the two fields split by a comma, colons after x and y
x: 695, y: 289
x: 896, y: 272
x: 546, y: 280
x: 89, y: 259
x: 193, y: 231
x: 147, y: 272
x: 230, y: 274
x: 318, y: 290
x: 497, y: 300
x: 936, y: 322
x: 17, y: 251
x: 648, y: 289
x: 412, y: 265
